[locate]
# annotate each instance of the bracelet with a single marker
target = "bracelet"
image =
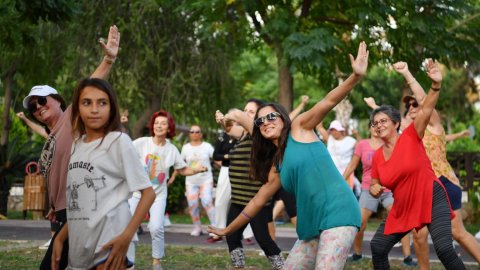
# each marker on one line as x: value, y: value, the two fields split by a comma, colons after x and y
x: 109, y: 59
x: 246, y: 215
x: 435, y: 89
x: 410, y: 82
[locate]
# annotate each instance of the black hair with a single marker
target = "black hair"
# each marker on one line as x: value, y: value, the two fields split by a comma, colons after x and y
x: 256, y: 101
x: 264, y: 152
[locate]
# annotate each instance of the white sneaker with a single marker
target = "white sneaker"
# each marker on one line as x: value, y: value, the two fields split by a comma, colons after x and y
x: 166, y: 221
x: 46, y: 245
x: 197, y: 231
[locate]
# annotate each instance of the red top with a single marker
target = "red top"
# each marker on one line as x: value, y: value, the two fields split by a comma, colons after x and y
x: 409, y: 174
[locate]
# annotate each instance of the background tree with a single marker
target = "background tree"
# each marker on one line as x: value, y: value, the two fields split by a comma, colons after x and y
x: 24, y: 56
x: 314, y: 36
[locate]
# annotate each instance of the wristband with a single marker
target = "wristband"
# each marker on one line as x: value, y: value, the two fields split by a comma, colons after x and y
x: 435, y: 89
x: 246, y: 215
x: 109, y: 59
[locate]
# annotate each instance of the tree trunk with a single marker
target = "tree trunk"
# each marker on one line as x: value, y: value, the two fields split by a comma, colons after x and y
x: 4, y: 162
x: 8, y: 82
x: 153, y: 106
x: 285, y: 81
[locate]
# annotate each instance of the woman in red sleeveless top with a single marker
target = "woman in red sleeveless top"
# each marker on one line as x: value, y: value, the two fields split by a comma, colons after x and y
x: 402, y: 166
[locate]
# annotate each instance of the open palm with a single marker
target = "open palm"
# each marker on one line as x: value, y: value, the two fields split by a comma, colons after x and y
x: 433, y: 71
x: 113, y: 42
x: 360, y: 63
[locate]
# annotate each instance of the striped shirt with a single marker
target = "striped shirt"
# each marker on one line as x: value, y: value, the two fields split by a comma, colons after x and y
x: 243, y: 187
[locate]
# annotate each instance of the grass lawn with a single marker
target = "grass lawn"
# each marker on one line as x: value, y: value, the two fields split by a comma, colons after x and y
x: 18, y: 258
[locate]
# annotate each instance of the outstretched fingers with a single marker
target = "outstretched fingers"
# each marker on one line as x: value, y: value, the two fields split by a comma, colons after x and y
x: 111, y: 47
x: 360, y: 63
x: 433, y: 70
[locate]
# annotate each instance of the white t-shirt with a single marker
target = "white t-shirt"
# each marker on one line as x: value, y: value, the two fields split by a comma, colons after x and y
x: 341, y: 151
x: 100, y: 179
x: 196, y: 157
x: 157, y: 160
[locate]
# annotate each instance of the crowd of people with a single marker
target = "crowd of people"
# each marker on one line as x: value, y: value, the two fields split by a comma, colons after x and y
x: 101, y: 184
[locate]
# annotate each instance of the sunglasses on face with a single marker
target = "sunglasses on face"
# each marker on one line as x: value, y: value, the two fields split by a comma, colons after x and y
x: 32, y: 106
x: 380, y: 122
x: 269, y: 117
x: 195, y: 132
x: 411, y: 104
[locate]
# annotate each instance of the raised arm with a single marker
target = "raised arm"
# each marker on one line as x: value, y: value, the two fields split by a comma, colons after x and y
x: 40, y: 130
x: 402, y: 68
x: 299, y: 108
x: 418, y: 92
x: 458, y: 135
x: 310, y: 119
x: 241, y: 118
x: 110, y: 50
x: 370, y: 101
x: 427, y: 107
x: 229, y: 126
x: 254, y: 206
x: 322, y: 132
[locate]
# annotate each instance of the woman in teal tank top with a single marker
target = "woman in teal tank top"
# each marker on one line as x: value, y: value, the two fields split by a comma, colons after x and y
x: 328, y: 215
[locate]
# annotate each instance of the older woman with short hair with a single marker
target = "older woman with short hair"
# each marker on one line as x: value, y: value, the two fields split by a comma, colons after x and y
x: 402, y: 166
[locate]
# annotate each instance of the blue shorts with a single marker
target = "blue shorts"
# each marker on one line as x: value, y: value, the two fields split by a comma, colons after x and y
x: 454, y: 193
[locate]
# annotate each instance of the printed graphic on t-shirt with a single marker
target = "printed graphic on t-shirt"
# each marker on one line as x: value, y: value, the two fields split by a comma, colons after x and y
x: 47, y: 155
x: 85, y: 187
x: 155, y: 169
x: 195, y: 161
x: 90, y: 184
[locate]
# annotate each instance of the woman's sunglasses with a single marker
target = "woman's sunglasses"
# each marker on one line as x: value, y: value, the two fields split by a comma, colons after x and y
x: 32, y: 106
x: 411, y: 104
x: 269, y: 117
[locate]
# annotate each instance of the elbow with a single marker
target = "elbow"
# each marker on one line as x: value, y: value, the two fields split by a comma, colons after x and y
x: 149, y: 193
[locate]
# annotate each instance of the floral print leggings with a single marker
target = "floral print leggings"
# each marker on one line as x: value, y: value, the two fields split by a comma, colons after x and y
x: 329, y: 250
x: 194, y: 192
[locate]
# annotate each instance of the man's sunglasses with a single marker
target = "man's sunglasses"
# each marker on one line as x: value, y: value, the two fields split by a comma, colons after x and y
x: 195, y: 132
x: 32, y: 106
x: 269, y: 117
x: 411, y: 104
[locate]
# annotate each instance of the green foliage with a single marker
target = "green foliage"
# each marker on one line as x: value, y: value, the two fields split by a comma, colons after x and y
x: 465, y: 144
x: 21, y: 150
x: 473, y: 205
x: 52, y: 10
x: 309, y: 52
x: 176, y: 201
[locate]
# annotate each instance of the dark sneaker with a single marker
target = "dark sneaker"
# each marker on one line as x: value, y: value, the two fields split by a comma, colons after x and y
x: 408, y: 261
x: 212, y: 240
x: 355, y: 258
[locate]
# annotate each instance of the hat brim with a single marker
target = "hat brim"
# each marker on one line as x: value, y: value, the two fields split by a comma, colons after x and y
x: 407, y: 99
